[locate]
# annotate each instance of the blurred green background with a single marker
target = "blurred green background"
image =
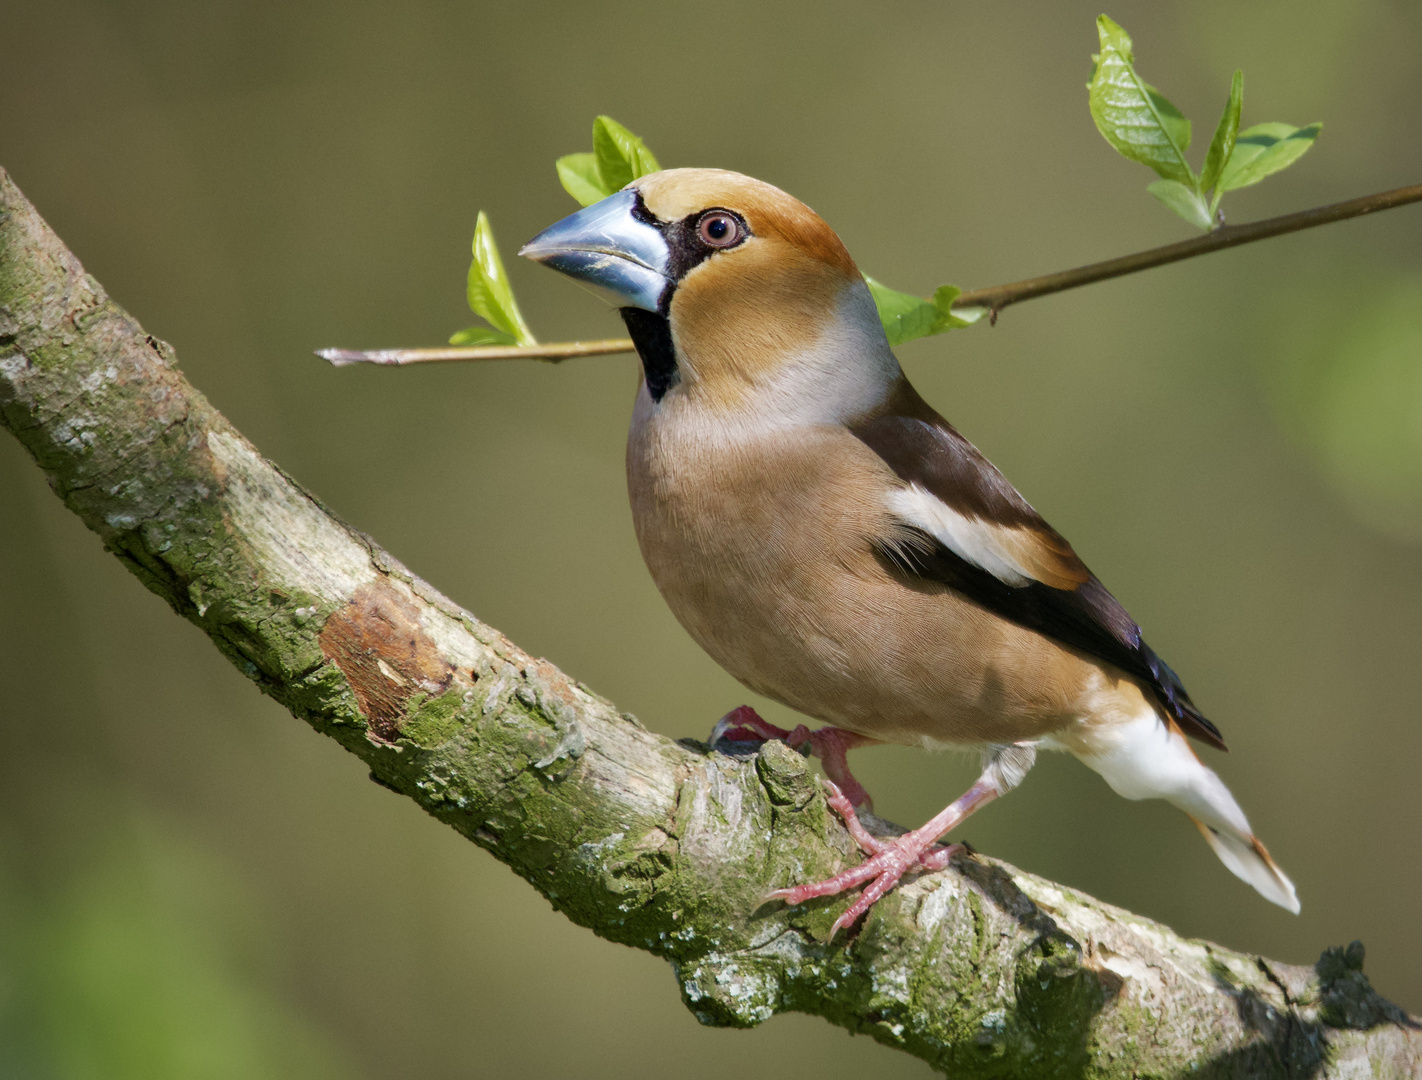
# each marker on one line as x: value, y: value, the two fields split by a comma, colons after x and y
x: 192, y: 884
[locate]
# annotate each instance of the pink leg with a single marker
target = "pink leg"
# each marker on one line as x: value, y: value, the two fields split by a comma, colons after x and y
x: 829, y: 744
x: 889, y: 860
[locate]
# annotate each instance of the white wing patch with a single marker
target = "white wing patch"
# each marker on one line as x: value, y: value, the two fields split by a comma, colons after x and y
x: 979, y: 542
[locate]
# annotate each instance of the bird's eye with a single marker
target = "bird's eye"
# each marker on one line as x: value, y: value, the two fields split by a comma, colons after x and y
x: 719, y: 229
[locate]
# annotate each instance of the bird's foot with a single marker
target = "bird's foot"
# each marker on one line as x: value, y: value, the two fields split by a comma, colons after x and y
x: 744, y: 724
x: 888, y: 860
x: 829, y: 744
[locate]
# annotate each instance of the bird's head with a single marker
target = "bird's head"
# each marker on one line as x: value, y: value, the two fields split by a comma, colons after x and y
x: 729, y: 287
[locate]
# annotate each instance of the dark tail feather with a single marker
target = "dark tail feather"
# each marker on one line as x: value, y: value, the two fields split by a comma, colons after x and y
x: 1173, y: 696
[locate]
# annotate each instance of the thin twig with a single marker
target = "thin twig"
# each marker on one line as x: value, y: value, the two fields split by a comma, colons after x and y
x: 558, y: 350
x: 999, y: 296
x: 994, y: 298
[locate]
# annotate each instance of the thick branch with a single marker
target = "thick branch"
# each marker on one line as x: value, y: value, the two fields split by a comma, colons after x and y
x: 981, y: 970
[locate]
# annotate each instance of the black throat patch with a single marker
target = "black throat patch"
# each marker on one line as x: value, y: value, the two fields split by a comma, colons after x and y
x: 651, y: 334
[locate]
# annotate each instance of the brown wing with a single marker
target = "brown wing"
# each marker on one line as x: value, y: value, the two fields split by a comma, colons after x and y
x: 975, y: 533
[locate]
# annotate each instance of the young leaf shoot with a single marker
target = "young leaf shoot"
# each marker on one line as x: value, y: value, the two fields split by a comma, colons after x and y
x: 906, y: 317
x: 1138, y: 121
x: 491, y: 297
x: 618, y: 158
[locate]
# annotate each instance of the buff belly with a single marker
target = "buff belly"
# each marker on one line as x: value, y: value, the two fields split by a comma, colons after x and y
x: 810, y: 617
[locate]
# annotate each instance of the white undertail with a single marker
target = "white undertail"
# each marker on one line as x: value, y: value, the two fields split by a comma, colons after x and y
x: 1144, y: 758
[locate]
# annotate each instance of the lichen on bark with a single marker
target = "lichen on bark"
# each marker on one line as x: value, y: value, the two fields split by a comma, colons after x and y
x: 981, y: 970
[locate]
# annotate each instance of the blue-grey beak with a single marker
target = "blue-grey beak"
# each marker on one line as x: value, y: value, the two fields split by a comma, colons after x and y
x: 606, y: 247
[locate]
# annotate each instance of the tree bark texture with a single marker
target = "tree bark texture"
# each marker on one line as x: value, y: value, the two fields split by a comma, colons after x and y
x: 981, y: 970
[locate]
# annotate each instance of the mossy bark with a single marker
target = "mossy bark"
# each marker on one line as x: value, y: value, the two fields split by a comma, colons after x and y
x: 981, y: 970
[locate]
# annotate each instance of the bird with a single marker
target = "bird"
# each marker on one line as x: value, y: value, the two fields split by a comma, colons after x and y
x: 837, y: 546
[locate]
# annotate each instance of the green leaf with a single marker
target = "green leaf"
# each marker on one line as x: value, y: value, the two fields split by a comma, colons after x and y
x: 490, y: 295
x: 1171, y: 119
x: 1222, y: 145
x: 906, y: 317
x: 578, y: 173
x: 1132, y: 115
x: 952, y: 318
x: 480, y: 335
x: 618, y: 158
x: 1184, y: 202
x: 1113, y: 36
x: 1266, y: 149
x: 621, y: 156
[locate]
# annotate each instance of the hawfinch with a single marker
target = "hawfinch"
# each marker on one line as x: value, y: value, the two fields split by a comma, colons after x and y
x: 837, y: 546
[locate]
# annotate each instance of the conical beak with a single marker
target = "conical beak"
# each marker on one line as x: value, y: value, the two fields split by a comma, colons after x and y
x: 607, y: 247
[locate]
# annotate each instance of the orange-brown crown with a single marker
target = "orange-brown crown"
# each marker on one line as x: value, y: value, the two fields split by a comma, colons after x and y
x: 678, y: 193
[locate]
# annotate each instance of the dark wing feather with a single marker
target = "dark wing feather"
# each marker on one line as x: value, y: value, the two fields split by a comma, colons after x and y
x: 923, y: 449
